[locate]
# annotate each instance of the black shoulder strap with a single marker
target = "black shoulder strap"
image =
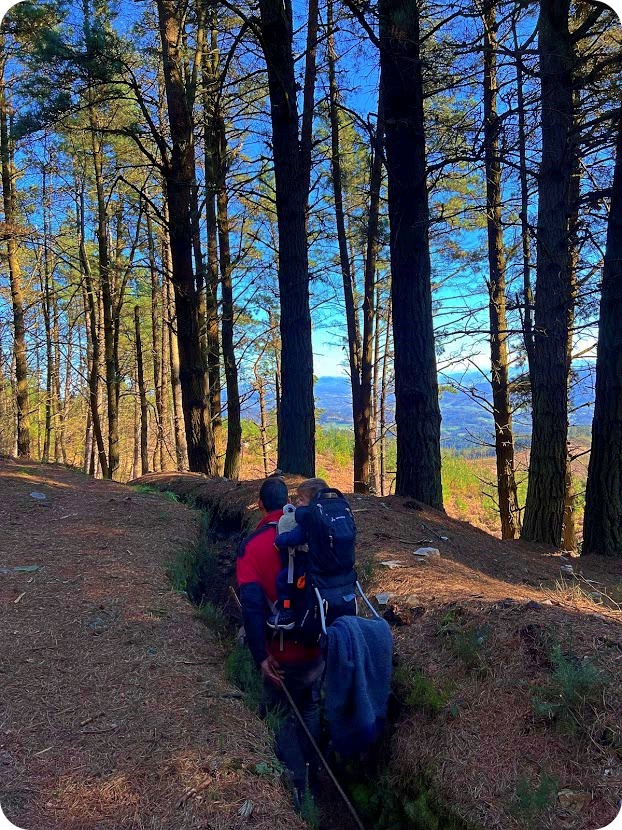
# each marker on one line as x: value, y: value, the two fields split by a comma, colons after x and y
x: 257, y: 532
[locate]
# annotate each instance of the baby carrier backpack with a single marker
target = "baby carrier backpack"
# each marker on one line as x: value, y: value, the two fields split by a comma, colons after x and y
x: 325, y: 576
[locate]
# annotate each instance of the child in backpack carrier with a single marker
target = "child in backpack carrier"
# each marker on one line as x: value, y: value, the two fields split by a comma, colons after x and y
x: 291, y: 535
x: 317, y: 542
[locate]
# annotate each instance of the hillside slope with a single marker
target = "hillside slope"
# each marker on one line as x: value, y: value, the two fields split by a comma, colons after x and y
x: 510, y: 701
x: 115, y: 713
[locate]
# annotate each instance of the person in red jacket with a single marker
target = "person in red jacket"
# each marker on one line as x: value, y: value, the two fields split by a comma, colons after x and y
x: 281, y: 659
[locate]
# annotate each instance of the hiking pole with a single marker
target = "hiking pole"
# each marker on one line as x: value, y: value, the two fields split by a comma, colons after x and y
x: 347, y: 801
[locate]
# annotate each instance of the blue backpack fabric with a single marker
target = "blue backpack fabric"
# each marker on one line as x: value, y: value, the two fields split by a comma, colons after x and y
x: 331, y: 536
x: 327, y: 566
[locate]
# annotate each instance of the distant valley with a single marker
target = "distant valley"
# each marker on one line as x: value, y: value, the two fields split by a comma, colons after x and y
x: 466, y: 420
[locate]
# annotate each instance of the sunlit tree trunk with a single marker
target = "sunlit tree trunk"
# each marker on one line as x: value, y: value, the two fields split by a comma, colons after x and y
x: 92, y: 302
x: 15, y: 274
x: 234, y: 423
x: 417, y: 410
x: 144, y: 409
x: 291, y: 169
x: 179, y: 177
x: 546, y: 491
x: 502, y: 413
x: 602, y: 524
x: 156, y: 319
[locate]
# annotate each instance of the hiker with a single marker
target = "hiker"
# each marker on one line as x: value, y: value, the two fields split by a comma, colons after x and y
x: 280, y: 659
x: 318, y: 583
x: 292, y: 535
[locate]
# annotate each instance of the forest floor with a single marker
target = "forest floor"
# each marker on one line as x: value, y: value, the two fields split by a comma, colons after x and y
x: 509, y: 671
x: 115, y: 711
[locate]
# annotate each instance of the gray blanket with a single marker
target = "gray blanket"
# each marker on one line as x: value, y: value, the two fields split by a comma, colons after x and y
x: 357, y: 681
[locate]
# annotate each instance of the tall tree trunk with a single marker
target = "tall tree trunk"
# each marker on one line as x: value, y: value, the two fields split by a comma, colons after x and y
x: 210, y: 140
x: 367, y: 437
x: 88, y: 434
x: 296, y: 453
x: 528, y: 303
x: 569, y: 541
x: 417, y: 410
x: 165, y: 371
x: 361, y: 434
x: 602, y: 523
x: 60, y: 452
x: 234, y: 423
x: 15, y: 275
x: 136, y: 453
x: 46, y: 304
x: 144, y: 409
x: 156, y: 346
x: 544, y: 508
x: 383, y: 403
x: 374, y: 471
x: 105, y: 277
x: 181, y: 450
x: 263, y: 421
x: 179, y: 176
x: 504, y: 437
x: 92, y: 302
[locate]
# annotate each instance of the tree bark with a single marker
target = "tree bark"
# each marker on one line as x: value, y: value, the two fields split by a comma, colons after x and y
x: 502, y: 413
x: 263, y: 421
x: 374, y: 470
x: 296, y: 453
x: 361, y: 430
x: 544, y: 508
x: 417, y: 410
x: 181, y: 450
x: 210, y: 140
x: 15, y: 275
x: 156, y: 318
x: 60, y: 451
x: 368, y: 389
x: 93, y: 332
x: 602, y: 524
x: 234, y: 423
x: 144, y: 409
x: 46, y: 304
x: 383, y: 402
x: 528, y: 302
x: 179, y: 177
x: 105, y: 278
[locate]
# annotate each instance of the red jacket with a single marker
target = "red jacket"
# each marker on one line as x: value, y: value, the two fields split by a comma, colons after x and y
x: 258, y: 565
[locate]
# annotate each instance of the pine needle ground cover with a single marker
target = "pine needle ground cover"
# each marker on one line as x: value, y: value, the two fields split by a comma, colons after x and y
x: 116, y: 712
x: 507, y: 685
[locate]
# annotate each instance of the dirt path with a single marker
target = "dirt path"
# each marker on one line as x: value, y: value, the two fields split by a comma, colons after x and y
x: 114, y: 705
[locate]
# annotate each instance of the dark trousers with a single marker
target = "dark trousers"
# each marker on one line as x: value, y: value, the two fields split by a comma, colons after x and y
x: 293, y: 747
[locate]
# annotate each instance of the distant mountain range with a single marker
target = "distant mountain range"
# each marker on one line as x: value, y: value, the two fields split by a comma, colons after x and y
x: 465, y: 418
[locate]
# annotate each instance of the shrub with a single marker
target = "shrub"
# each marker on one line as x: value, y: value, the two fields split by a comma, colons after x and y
x: 574, y: 682
x: 530, y: 800
x: 466, y: 642
x: 417, y: 690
